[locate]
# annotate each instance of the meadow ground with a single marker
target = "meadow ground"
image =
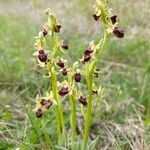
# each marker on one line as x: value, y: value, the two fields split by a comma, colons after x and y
x: 123, y: 116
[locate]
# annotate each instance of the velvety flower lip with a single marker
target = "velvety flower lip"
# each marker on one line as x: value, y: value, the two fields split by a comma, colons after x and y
x: 113, y: 19
x: 64, y: 46
x: 63, y: 91
x: 48, y: 104
x: 96, y: 17
x: 43, y: 101
x: 47, y: 74
x: 39, y: 113
x: 95, y: 92
x: 83, y: 100
x: 64, y: 72
x: 57, y: 28
x: 45, y: 32
x: 88, y: 51
x: 77, y: 77
x: 60, y: 64
x: 42, y: 56
x: 118, y: 32
x: 86, y: 58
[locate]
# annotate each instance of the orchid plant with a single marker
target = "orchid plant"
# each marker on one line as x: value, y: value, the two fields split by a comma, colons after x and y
x: 52, y: 60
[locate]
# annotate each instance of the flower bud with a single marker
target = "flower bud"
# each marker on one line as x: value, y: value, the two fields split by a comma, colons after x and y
x: 64, y: 46
x: 96, y: 17
x: 57, y: 28
x: 48, y: 104
x: 64, y: 72
x: 83, y: 101
x: 86, y: 58
x: 113, y: 19
x: 39, y: 113
x: 63, y: 91
x: 118, y: 32
x: 42, y: 56
x: 77, y: 77
x: 88, y: 51
x: 60, y: 64
x: 95, y: 74
x: 45, y: 32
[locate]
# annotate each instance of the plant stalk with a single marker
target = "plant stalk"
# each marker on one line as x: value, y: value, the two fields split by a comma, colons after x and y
x: 73, y: 121
x: 60, y: 118
x: 89, y: 112
x: 72, y: 115
x: 89, y: 79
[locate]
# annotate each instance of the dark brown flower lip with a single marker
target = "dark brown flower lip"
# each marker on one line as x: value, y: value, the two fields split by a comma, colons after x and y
x: 57, y: 28
x: 39, y: 113
x: 88, y: 51
x: 96, y: 17
x: 64, y: 46
x: 64, y: 72
x: 60, y: 64
x: 63, y: 91
x: 77, y: 77
x: 42, y: 56
x: 83, y: 100
x: 45, y: 32
x: 47, y: 74
x: 48, y: 104
x: 113, y: 19
x: 43, y: 101
x: 118, y: 32
x: 86, y: 57
x: 95, y: 92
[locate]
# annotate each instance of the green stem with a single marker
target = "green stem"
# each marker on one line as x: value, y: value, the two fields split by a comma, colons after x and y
x: 60, y: 118
x: 100, y: 54
x: 89, y: 79
x: 89, y: 112
x: 54, y: 43
x: 73, y: 121
x: 72, y: 116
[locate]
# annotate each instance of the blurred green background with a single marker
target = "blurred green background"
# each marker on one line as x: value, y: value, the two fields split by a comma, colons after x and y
x: 125, y: 67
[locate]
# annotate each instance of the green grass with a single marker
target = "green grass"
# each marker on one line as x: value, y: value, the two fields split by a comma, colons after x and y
x: 125, y: 74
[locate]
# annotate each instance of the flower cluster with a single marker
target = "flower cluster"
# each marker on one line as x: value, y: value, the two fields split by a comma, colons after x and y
x: 90, y: 52
x: 108, y: 19
x: 51, y: 60
x: 42, y: 104
x: 50, y: 28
